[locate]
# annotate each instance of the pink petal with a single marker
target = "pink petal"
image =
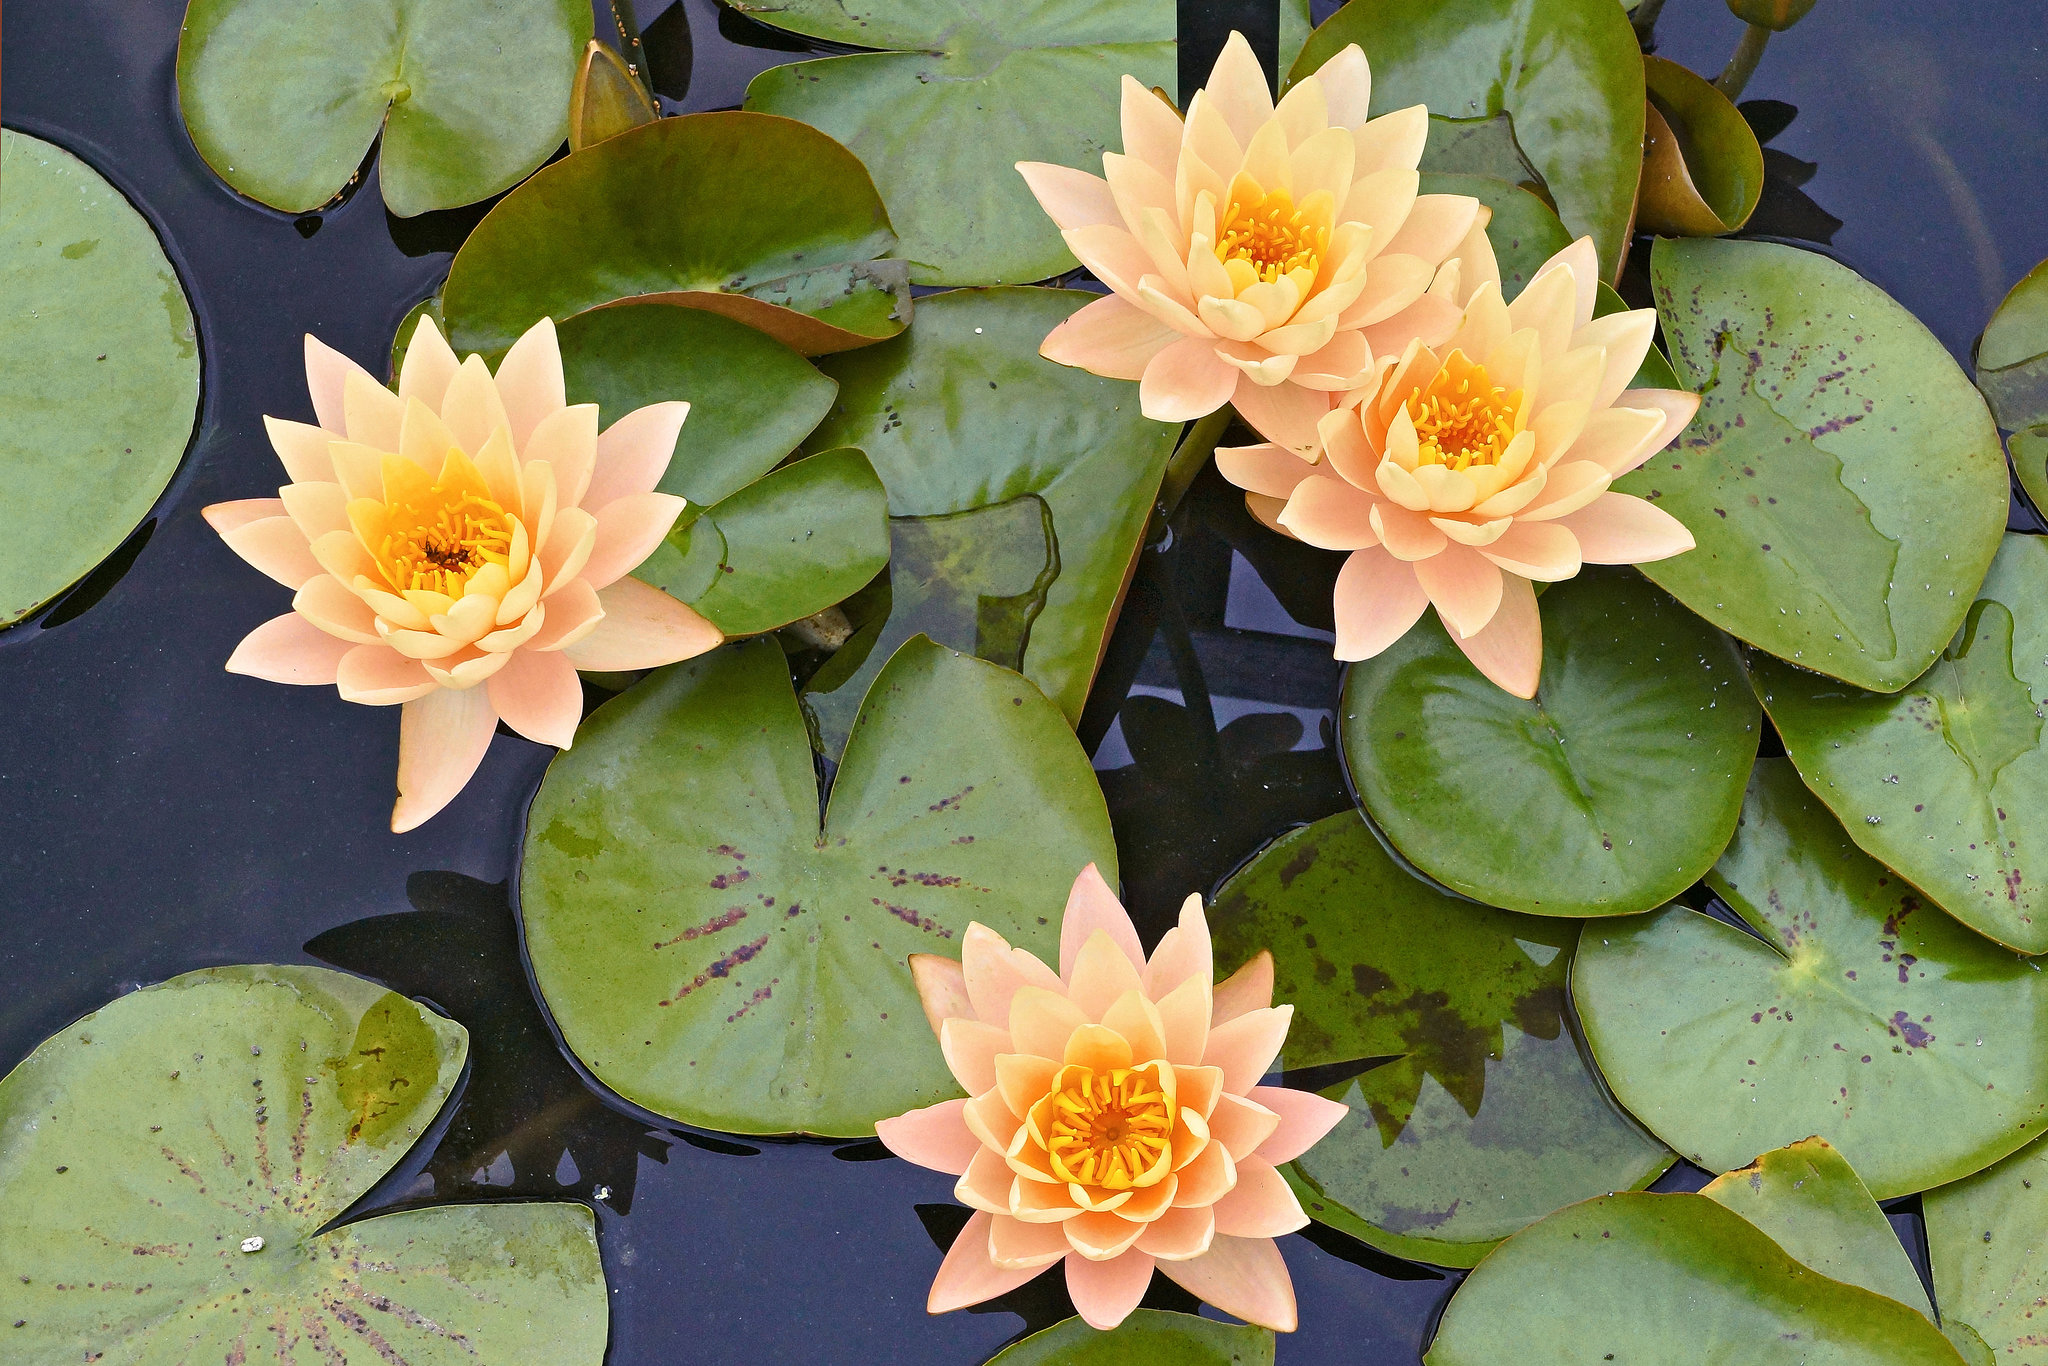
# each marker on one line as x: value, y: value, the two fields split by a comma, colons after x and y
x: 941, y: 989
x: 1285, y: 414
x: 289, y: 649
x: 1677, y: 405
x: 1246, y: 1046
x: 1092, y: 906
x: 1304, y: 1118
x: 428, y: 366
x: 372, y: 414
x: 1331, y: 514
x: 1378, y: 598
x: 1430, y: 320
x: 633, y: 453
x: 567, y: 440
x: 1465, y: 586
x: 1241, y: 1125
x: 379, y: 676
x: 1186, y: 381
x: 572, y: 614
x: 302, y: 449
x: 226, y: 517
x: 1434, y: 227
x: 1103, y: 971
x: 1544, y: 551
x: 1110, y: 337
x: 327, y: 372
x: 1260, y: 1205
x: 274, y: 545
x: 628, y: 529
x: 1268, y: 469
x: 1071, y: 198
x: 1617, y: 528
x: 1249, y: 988
x: 1584, y: 261
x: 994, y: 971
x: 1041, y: 1023
x: 1152, y: 131
x: 329, y: 604
x: 537, y: 694
x: 1184, y: 1019
x: 970, y: 1048
x: 1510, y: 650
x: 530, y: 380
x: 1237, y: 88
x: 935, y: 1137
x: 1105, y: 1293
x: 1184, y: 951
x: 1244, y: 1277
x: 441, y: 740
x: 1179, y: 1234
x: 642, y: 628
x: 1016, y: 1243
x: 968, y: 1276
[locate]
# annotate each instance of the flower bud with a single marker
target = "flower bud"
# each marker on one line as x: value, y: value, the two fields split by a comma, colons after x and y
x: 1776, y: 15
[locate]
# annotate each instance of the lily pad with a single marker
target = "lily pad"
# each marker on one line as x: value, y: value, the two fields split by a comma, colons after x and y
x: 1524, y: 231
x: 284, y: 99
x: 1843, y: 480
x: 1984, y: 1239
x: 791, y: 543
x: 167, y: 1165
x: 1610, y: 793
x: 607, y: 98
x: 715, y: 956
x: 963, y: 413
x: 2012, y: 356
x: 1669, y: 1279
x: 1473, y: 1112
x: 1703, y: 171
x: 1149, y: 1337
x: 746, y: 215
x: 1946, y: 781
x: 99, y: 371
x: 964, y: 94
x: 1852, y: 1011
x: 2029, y: 451
x: 1566, y: 73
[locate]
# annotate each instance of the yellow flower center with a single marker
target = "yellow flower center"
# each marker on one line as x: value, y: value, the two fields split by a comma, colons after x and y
x: 437, y: 535
x: 1462, y: 418
x: 1270, y: 234
x: 1109, y: 1129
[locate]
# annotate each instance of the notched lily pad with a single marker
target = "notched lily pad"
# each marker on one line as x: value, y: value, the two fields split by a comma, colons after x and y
x: 713, y: 952
x: 168, y: 1162
x: 1703, y: 170
x: 1984, y: 1239
x: 1473, y: 1112
x: 1149, y: 1337
x: 2011, y: 357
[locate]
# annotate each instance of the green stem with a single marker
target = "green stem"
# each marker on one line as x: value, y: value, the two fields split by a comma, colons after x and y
x: 1645, y: 19
x: 1188, y: 458
x: 1742, y: 65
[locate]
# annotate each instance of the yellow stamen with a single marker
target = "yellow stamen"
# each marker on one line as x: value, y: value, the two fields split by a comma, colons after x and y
x: 1462, y: 418
x: 437, y: 535
x: 1110, y: 1129
x: 1271, y: 234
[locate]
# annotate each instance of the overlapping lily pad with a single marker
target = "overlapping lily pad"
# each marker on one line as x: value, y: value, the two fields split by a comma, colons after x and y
x: 1473, y: 1112
x: 1703, y: 171
x: 1945, y: 781
x: 1854, y: 1011
x: 1843, y: 480
x: 1149, y: 1337
x: 754, y: 217
x: 1984, y: 1240
x: 2012, y: 355
x: 1566, y: 73
x: 1610, y: 793
x: 284, y: 99
x: 715, y: 952
x: 168, y: 1162
x: 963, y: 413
x: 99, y: 371
x: 962, y: 95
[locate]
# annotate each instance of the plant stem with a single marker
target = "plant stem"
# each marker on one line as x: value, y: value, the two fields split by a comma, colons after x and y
x: 1645, y: 19
x: 1742, y: 65
x: 1188, y: 458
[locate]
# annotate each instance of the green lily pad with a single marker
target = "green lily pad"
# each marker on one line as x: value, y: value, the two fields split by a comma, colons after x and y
x: 1483, y: 147
x: 1524, y: 231
x: 2029, y: 451
x: 1842, y: 479
x: 1610, y: 793
x: 284, y: 99
x: 1703, y: 171
x: 974, y: 580
x: 1984, y: 1239
x: 99, y: 372
x: 1476, y: 1114
x: 1669, y: 1279
x: 963, y: 413
x: 1853, y: 1012
x: 1566, y: 73
x: 962, y: 96
x: 715, y: 956
x: 1149, y: 1337
x: 790, y: 544
x: 1946, y: 781
x: 754, y: 217
x: 2012, y: 356
x: 146, y: 1150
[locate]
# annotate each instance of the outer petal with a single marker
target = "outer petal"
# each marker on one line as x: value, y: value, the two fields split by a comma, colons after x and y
x: 1246, y: 1046
x: 1332, y: 514
x: 1285, y: 414
x: 1071, y: 198
x: 379, y: 676
x: 1465, y: 587
x: 1186, y: 381
x: 537, y: 694
x: 1152, y: 131
x: 441, y: 740
x: 935, y: 1137
x: 302, y: 449
x: 633, y: 453
x: 628, y: 529
x: 429, y: 364
x: 1617, y: 528
x: 1092, y: 906
x: 1260, y: 1205
x: 642, y: 628
x: 1249, y: 988
x: 289, y: 649
x: 1237, y: 89
x: 1111, y: 337
x: 993, y: 971
x: 530, y: 380
x: 1015, y: 1243
x: 1245, y: 1277
x: 1510, y: 650
x: 573, y: 614
x: 941, y: 989
x: 1105, y: 1293
x: 969, y: 1276
x: 274, y: 545
x: 327, y: 372
x: 1677, y: 405
x: 1378, y: 598
x: 1304, y: 1118
x: 1183, y: 952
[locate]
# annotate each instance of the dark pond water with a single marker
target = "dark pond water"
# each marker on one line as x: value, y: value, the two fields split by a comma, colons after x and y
x: 159, y: 815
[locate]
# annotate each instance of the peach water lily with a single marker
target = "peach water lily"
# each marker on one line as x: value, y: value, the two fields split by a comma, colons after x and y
x: 1463, y: 474
x: 1259, y: 255
x: 1115, y: 1121
x: 459, y: 549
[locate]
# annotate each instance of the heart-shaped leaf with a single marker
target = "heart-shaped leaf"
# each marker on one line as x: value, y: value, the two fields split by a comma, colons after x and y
x: 99, y: 372
x: 1832, y: 425
x: 1473, y: 1112
x: 964, y: 94
x: 1946, y: 781
x: 754, y: 217
x: 2012, y: 355
x: 1566, y: 73
x: 1852, y: 1012
x: 1610, y: 793
x: 1703, y: 171
x: 1984, y: 1240
x: 1149, y: 1337
x: 284, y: 99
x: 168, y: 1162
x: 713, y: 954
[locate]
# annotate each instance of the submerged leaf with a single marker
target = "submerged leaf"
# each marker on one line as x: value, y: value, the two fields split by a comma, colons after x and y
x: 1703, y: 170
x: 2012, y: 355
x: 607, y: 99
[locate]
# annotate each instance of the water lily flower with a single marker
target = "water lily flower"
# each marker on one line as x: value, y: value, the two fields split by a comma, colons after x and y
x: 460, y: 549
x: 1116, y: 1121
x: 1258, y: 256
x: 1461, y: 473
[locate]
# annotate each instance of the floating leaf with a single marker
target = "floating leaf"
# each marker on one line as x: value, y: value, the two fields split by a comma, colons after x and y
x: 1524, y: 231
x: 607, y: 99
x: 1565, y: 73
x: 1842, y: 479
x: 713, y: 955
x: 1610, y: 793
x: 1852, y: 1012
x: 1703, y: 170
x: 2012, y: 356
x: 963, y: 413
x: 2029, y: 451
x: 1149, y: 1337
x: 1984, y: 1239
x: 1945, y: 781
x: 1669, y: 1278
x: 964, y: 94
x: 1472, y: 1111
x: 746, y: 215
x: 284, y: 99
x: 167, y: 1165
x: 99, y: 372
